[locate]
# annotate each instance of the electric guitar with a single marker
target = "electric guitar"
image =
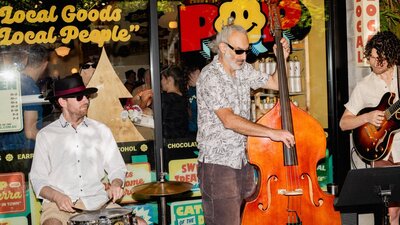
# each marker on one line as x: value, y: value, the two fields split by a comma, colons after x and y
x: 373, y: 143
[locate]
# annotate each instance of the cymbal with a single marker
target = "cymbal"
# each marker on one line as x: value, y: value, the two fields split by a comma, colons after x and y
x: 162, y: 188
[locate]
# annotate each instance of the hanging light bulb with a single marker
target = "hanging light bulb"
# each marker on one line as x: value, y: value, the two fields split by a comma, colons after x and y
x: 173, y: 24
x: 62, y: 51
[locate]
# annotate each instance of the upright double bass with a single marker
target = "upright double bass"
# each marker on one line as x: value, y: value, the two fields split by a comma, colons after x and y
x: 288, y: 190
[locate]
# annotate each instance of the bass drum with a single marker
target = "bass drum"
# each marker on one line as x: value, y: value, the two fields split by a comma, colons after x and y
x: 113, y: 216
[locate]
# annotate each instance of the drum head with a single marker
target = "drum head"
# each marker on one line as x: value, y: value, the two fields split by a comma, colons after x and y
x: 94, y: 217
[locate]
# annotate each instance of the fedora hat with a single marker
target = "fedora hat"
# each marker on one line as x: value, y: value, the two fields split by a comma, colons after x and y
x: 70, y: 86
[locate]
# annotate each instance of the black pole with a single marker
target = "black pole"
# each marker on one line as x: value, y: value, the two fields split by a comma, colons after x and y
x: 337, y: 78
x: 155, y: 73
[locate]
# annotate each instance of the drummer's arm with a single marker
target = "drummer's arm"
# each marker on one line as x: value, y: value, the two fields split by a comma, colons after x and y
x: 116, y: 190
x: 63, y: 201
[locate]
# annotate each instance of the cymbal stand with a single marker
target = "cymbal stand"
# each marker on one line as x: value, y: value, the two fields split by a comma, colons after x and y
x: 163, y: 201
x: 155, y: 82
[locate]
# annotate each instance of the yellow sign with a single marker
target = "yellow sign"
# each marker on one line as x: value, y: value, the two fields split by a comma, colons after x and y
x: 69, y: 14
x: 184, y: 170
x: 138, y: 173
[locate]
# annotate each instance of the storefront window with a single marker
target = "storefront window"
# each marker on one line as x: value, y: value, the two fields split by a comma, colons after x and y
x: 108, y: 44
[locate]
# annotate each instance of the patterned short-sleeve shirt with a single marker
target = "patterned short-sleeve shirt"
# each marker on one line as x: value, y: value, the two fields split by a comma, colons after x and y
x: 216, y: 89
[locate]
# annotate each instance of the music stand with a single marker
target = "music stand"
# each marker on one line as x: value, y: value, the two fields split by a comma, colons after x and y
x: 364, y: 188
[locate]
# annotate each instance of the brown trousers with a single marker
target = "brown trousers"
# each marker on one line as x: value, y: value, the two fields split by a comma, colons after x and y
x: 383, y: 163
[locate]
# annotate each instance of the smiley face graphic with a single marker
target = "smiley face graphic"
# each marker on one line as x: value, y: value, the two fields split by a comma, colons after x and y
x: 246, y: 13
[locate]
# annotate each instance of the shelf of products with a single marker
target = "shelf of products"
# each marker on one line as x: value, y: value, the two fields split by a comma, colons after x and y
x: 263, y: 100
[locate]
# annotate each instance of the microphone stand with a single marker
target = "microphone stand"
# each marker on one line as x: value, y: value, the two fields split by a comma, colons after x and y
x: 385, y: 196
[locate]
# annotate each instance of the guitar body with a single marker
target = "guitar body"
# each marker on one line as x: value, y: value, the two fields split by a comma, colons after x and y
x: 373, y: 143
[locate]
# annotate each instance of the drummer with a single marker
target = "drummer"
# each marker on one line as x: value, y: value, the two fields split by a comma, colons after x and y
x: 72, y: 155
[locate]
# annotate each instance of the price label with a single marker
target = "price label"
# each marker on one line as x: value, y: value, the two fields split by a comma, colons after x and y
x: 10, y: 101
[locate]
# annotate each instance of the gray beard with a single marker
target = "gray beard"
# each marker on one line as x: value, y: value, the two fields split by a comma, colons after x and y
x: 231, y: 63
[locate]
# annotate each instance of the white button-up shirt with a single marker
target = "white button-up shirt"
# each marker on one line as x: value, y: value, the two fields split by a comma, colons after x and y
x: 368, y: 93
x: 74, y: 161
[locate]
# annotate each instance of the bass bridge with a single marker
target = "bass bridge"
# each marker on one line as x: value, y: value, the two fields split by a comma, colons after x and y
x: 295, y: 192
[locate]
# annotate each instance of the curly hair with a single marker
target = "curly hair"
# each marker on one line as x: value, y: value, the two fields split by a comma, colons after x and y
x: 387, y: 47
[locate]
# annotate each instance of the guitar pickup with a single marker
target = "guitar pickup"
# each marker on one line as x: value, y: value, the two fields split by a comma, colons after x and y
x: 370, y: 130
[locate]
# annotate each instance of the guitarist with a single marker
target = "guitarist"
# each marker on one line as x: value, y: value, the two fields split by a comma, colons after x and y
x: 383, y: 54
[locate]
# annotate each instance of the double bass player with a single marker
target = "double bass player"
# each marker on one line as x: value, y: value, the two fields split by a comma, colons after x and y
x: 223, y: 98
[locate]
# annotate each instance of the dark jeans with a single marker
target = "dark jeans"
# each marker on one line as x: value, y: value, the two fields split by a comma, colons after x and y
x: 223, y: 190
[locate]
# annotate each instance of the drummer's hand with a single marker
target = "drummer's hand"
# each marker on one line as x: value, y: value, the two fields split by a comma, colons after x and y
x: 64, y: 203
x: 115, y: 191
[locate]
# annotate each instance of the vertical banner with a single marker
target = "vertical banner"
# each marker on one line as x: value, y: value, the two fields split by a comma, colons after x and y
x: 366, y: 22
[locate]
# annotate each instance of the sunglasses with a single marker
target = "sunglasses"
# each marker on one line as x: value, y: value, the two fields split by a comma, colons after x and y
x: 86, y: 66
x: 80, y: 97
x: 238, y: 51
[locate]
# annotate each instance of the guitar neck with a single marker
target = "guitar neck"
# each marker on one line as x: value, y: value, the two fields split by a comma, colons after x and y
x: 392, y: 109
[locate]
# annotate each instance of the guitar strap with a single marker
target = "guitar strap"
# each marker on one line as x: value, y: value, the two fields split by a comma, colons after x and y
x: 398, y: 86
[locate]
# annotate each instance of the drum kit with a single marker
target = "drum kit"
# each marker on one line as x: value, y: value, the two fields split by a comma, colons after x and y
x: 124, y: 216
x: 114, y: 216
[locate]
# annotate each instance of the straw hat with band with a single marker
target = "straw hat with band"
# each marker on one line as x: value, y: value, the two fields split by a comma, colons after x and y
x: 70, y: 86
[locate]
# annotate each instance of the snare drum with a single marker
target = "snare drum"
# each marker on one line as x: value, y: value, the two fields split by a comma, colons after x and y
x: 113, y: 216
